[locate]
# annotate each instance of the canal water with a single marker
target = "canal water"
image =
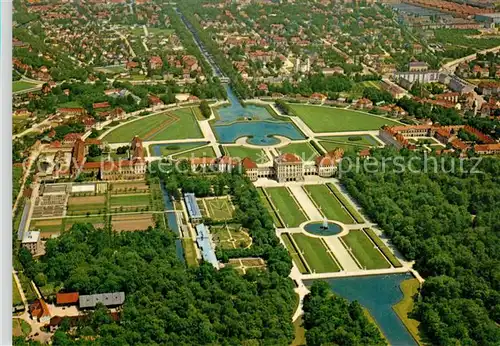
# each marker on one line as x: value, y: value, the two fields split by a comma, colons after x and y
x: 173, y: 224
x: 377, y: 293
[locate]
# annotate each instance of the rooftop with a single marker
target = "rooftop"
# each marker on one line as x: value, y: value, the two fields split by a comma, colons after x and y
x: 192, y: 206
x: 31, y: 237
x: 108, y: 299
x: 203, y: 241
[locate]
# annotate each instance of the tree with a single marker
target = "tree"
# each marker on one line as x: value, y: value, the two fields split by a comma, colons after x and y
x: 205, y: 109
x: 94, y: 150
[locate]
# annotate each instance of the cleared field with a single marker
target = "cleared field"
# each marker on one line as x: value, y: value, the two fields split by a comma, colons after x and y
x: 315, y: 254
x: 329, y: 119
x: 20, y: 327
x: 365, y: 251
x: 385, y: 250
x: 128, y: 187
x: 361, y: 140
x: 130, y: 200
x: 405, y: 306
x: 178, y: 124
x: 303, y: 150
x: 86, y: 200
x: 286, y: 206
x: 268, y: 206
x: 21, y: 85
x: 132, y: 222
x: 206, y: 151
x: 219, y: 208
x: 354, y: 213
x: 294, y: 254
x: 328, y: 204
x: 256, y: 155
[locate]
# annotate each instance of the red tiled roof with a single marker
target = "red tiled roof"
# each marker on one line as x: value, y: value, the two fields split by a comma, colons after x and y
x: 289, y: 157
x: 99, y: 105
x: 248, y: 163
x: 67, y: 298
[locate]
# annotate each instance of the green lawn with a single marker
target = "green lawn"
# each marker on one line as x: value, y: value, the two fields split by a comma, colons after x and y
x: 385, y: 250
x: 256, y: 155
x: 174, y: 148
x: 330, y: 146
x: 343, y: 199
x: 130, y: 200
x: 329, y: 119
x: 293, y: 253
x: 190, y: 252
x: 303, y: 150
x: 98, y: 222
x: 20, y: 85
x: 363, y: 249
x: 329, y: 204
x: 404, y: 306
x: 288, y: 209
x: 16, y: 296
x: 272, y: 212
x: 219, y: 209
x: 206, y: 151
x: 315, y: 254
x: 358, y: 140
x: 178, y: 124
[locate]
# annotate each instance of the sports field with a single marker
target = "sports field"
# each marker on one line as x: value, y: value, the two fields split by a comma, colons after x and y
x: 358, y: 140
x: 130, y: 200
x: 256, y: 155
x: 219, y: 208
x: 286, y: 206
x: 365, y: 251
x: 178, y: 124
x: 303, y: 150
x: 21, y: 85
x: 315, y: 253
x: 329, y: 119
x: 328, y: 204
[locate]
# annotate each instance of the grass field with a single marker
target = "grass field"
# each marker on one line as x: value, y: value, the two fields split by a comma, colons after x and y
x: 272, y: 212
x: 256, y: 155
x: 330, y: 146
x: 300, y: 333
x: 329, y: 204
x: 130, y: 200
x: 304, y: 150
x: 365, y: 251
x: 190, y: 252
x: 329, y: 119
x: 178, y: 124
x: 206, y: 151
x: 315, y: 254
x: 358, y: 140
x: 28, y: 290
x: 16, y: 296
x: 219, y: 208
x: 20, y: 85
x: 402, y: 308
x: 98, y: 222
x: 286, y: 206
x: 385, y: 250
x: 352, y: 210
x: 171, y: 149
x: 294, y: 254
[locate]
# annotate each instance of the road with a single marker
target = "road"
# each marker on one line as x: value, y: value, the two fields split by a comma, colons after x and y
x: 452, y: 65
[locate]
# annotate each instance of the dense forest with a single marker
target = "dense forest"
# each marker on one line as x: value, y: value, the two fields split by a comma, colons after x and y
x: 330, y: 319
x: 448, y: 221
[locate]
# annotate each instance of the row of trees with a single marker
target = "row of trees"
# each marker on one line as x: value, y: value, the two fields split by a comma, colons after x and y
x: 446, y: 218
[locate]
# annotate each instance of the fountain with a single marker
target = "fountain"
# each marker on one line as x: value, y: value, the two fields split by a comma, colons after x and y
x: 325, y: 224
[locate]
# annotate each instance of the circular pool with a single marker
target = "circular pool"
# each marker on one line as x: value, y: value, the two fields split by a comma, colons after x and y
x: 317, y: 228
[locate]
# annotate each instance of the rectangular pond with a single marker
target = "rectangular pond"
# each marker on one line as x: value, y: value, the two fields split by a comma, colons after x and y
x: 377, y: 293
